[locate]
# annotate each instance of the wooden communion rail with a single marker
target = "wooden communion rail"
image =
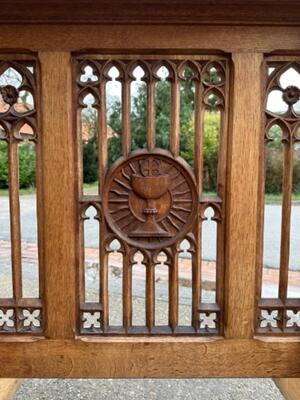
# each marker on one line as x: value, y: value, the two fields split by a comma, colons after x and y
x: 150, y: 199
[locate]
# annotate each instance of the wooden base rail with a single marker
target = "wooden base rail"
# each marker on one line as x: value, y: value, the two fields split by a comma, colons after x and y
x: 150, y: 358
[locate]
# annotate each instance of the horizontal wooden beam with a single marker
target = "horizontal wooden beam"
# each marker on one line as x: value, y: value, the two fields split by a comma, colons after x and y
x: 150, y: 358
x: 152, y: 11
x: 154, y: 39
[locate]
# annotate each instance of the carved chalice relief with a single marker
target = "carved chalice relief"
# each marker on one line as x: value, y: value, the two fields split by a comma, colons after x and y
x: 150, y: 199
x: 150, y: 185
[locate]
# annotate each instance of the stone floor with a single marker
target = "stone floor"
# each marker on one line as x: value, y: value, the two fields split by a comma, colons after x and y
x: 149, y: 389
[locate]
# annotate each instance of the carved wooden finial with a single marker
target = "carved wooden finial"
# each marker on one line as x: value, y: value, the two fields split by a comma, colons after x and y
x: 9, y: 94
x: 291, y: 95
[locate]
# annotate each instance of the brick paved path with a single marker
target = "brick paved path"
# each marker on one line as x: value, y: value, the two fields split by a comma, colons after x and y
x: 29, y: 255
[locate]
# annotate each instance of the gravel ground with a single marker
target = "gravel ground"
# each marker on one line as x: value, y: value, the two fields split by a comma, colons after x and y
x: 149, y: 389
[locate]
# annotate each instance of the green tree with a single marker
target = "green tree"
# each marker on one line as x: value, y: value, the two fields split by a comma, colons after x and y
x: 90, y: 160
x: 90, y: 146
x: 187, y: 116
x: 27, y: 165
x: 3, y: 165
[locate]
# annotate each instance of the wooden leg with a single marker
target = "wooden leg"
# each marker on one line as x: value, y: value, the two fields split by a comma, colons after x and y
x: 8, y: 388
x: 289, y: 387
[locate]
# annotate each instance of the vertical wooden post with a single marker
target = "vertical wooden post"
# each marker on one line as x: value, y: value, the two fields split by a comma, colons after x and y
x: 289, y: 387
x: 8, y: 388
x: 242, y: 195
x: 58, y: 194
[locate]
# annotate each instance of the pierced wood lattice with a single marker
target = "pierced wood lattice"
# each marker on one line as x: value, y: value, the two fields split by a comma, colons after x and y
x: 151, y: 199
x: 280, y: 315
x: 19, y: 124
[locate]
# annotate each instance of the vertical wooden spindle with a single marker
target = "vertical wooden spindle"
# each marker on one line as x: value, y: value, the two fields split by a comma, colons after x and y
x: 151, y: 114
x: 173, y: 291
x: 198, y: 168
x: 102, y: 136
x: 286, y: 218
x: 175, y: 117
x: 150, y: 296
x: 127, y: 292
x: 199, y: 128
x: 126, y: 132
x: 81, y: 274
x: 196, y: 284
x: 15, y: 224
x: 104, y: 300
x: 103, y: 160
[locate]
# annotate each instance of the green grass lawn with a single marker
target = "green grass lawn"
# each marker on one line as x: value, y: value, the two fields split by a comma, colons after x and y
x: 91, y: 188
x: 23, y: 192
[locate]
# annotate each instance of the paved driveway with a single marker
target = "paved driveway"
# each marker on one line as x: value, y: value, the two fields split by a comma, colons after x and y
x: 272, y: 231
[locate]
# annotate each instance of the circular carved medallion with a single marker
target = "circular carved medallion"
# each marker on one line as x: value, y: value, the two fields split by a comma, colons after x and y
x: 150, y: 199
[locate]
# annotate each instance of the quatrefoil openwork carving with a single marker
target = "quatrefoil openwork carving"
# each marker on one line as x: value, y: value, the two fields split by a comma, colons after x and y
x: 150, y: 199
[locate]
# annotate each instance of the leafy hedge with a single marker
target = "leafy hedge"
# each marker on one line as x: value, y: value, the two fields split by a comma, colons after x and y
x: 274, y: 171
x: 26, y: 165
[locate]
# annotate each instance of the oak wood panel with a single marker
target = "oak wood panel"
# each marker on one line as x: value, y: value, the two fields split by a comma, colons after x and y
x: 150, y: 358
x: 242, y: 199
x: 153, y: 11
x: 289, y: 387
x: 58, y: 194
x: 8, y: 388
x: 159, y: 37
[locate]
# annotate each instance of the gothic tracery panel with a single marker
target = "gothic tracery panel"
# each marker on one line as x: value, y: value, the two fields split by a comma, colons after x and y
x: 21, y: 285
x: 153, y: 137
x: 279, y: 289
